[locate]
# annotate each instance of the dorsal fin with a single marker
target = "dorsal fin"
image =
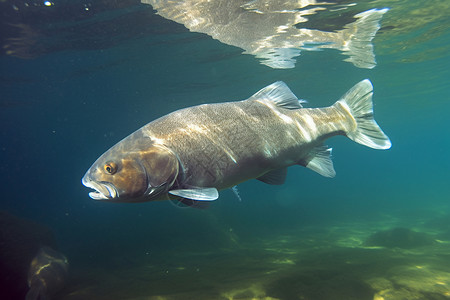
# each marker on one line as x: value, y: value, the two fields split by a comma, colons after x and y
x: 279, y: 94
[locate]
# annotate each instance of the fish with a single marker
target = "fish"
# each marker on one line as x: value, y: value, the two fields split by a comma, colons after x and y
x: 192, y: 153
x: 47, y: 274
x: 276, y: 31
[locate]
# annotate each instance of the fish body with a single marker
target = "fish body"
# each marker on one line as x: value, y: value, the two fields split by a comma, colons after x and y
x: 194, y: 152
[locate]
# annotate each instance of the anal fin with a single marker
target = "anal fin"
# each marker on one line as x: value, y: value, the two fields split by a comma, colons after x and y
x: 319, y: 160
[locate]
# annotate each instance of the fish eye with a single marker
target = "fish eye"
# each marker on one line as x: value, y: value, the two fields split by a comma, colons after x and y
x: 110, y: 168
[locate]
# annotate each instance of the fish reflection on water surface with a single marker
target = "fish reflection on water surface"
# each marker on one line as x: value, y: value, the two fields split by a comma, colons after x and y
x: 192, y: 153
x: 274, y: 30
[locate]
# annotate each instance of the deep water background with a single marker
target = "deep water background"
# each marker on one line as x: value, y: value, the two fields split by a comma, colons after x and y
x: 61, y: 110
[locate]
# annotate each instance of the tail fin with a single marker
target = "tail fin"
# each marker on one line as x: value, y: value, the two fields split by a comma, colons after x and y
x: 358, y: 100
x: 359, y: 36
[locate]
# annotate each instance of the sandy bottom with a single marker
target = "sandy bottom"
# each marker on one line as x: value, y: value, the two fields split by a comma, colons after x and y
x: 332, y: 262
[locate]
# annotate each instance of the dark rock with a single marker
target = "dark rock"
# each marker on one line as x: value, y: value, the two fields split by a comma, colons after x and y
x: 399, y: 238
x: 20, y: 241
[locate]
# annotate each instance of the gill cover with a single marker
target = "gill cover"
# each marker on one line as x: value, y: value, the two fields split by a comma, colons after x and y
x: 161, y: 167
x: 134, y: 170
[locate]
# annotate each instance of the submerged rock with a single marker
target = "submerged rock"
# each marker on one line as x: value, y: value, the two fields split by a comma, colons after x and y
x: 27, y: 248
x: 399, y: 238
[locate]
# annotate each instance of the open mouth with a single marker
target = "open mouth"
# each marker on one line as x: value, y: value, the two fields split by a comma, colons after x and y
x: 103, y: 190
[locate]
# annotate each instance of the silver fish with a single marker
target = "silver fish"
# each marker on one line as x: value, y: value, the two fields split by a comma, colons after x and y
x: 273, y: 30
x: 47, y: 273
x: 194, y: 152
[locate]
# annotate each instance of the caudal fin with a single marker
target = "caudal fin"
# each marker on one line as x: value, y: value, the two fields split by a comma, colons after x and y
x: 358, y: 100
x: 359, y: 35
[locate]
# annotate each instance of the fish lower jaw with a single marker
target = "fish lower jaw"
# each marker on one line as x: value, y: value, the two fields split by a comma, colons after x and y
x: 102, y: 191
x: 97, y: 196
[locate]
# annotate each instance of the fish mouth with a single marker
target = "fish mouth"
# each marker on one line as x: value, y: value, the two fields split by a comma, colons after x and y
x: 103, y: 190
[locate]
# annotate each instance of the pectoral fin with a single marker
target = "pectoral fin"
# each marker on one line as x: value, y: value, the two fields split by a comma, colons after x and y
x: 198, y: 194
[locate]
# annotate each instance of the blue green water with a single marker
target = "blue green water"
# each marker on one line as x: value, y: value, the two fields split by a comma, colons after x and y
x: 77, y: 81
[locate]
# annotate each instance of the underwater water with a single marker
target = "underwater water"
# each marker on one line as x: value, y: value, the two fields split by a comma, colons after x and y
x: 78, y: 76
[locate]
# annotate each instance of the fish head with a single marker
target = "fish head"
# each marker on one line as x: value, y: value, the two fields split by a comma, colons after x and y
x: 136, y: 169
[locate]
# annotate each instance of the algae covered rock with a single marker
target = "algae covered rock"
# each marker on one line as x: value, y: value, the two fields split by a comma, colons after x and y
x: 399, y: 238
